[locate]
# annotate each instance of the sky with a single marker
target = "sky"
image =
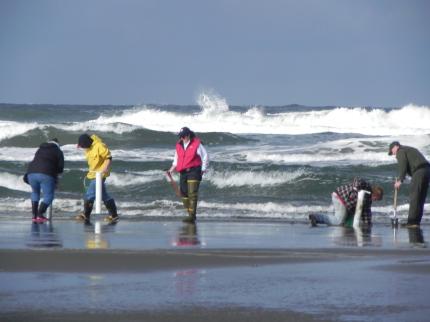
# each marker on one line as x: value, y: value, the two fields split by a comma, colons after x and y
x: 267, y: 52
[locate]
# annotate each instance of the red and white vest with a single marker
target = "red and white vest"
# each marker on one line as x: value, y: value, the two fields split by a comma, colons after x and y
x: 188, y: 158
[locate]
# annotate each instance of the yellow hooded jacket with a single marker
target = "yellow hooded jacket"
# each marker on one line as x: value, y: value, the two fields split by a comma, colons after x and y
x: 96, y: 156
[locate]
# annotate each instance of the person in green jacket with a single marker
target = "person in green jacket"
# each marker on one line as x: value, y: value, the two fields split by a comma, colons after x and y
x: 411, y: 162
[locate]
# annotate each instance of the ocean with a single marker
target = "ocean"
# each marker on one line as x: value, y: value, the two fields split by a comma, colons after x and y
x: 266, y: 162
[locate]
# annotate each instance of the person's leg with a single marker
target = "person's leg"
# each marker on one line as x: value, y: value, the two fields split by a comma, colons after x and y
x: 34, y: 210
x: 90, y: 195
x: 34, y: 181
x: 105, y: 194
x: 184, y: 190
x: 335, y: 219
x: 422, y: 188
x: 340, y: 211
x: 109, y: 204
x: 47, y: 184
x: 193, y: 192
x: 193, y: 184
x: 48, y: 188
x: 419, y: 186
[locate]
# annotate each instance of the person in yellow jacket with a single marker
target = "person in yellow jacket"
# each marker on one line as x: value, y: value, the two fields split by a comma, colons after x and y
x: 99, y: 160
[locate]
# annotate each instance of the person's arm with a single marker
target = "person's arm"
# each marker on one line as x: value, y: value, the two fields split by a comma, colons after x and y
x: 106, y: 165
x: 174, y: 163
x: 60, y: 166
x: 201, y: 151
x: 402, y: 168
x: 402, y: 164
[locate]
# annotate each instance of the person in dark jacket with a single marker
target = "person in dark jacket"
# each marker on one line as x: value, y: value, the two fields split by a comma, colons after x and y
x: 42, y: 176
x: 411, y: 162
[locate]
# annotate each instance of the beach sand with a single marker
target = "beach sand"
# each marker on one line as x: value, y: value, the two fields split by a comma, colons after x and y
x: 211, y: 271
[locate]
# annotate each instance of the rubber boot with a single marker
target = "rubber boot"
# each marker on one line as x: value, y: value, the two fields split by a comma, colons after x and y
x: 34, y: 209
x: 42, y: 209
x: 193, y: 188
x: 113, y: 214
x: 88, y: 208
x: 186, y: 203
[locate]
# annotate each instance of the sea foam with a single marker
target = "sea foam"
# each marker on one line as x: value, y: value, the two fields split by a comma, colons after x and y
x: 216, y: 116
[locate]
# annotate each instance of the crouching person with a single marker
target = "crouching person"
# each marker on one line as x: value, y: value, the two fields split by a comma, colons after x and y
x: 42, y: 175
x: 344, y: 201
x: 99, y: 160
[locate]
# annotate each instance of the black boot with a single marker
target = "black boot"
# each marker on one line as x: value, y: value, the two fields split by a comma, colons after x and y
x: 42, y: 209
x: 88, y: 208
x: 113, y: 214
x: 34, y: 209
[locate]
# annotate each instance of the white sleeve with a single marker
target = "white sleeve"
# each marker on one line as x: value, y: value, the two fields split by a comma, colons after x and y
x: 201, y: 151
x: 175, y: 159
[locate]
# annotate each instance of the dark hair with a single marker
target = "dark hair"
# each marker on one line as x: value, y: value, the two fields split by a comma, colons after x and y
x: 85, y: 141
x: 185, y: 131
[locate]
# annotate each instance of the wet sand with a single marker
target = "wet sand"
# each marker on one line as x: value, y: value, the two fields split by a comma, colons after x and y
x: 197, y: 314
x: 127, y: 261
x: 213, y: 271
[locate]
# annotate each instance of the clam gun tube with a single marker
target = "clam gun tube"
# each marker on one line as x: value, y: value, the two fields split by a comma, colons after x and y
x: 173, y: 183
x: 394, y: 219
x: 98, y: 200
x: 49, y: 212
x: 359, y: 208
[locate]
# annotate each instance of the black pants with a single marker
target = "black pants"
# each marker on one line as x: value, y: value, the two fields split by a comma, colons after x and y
x: 418, y: 194
x: 189, y: 182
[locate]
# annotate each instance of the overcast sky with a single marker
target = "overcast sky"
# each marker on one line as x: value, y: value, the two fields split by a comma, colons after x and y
x: 267, y: 52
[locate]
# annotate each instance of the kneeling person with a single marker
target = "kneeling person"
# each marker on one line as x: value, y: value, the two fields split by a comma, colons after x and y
x: 99, y: 160
x: 344, y: 201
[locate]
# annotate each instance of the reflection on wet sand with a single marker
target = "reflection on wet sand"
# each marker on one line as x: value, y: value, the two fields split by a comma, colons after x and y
x: 186, y: 281
x: 43, y: 236
x: 187, y: 236
x: 356, y: 237
x: 94, y: 235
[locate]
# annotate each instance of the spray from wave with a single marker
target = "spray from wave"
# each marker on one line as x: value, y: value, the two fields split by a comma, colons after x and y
x: 13, y: 182
x: 216, y: 116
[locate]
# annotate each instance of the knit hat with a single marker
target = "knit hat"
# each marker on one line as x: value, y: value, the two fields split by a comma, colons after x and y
x: 85, y: 141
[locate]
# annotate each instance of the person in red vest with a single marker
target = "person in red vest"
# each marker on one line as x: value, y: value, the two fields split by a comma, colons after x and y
x: 191, y: 161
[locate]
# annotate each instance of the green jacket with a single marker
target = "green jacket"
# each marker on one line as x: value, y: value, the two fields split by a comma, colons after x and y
x: 409, y: 160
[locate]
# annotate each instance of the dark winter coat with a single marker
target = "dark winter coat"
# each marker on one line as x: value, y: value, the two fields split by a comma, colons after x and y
x: 49, y: 159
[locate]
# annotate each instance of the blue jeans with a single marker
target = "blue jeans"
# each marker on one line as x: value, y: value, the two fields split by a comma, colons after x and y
x: 90, y: 193
x: 337, y: 217
x: 42, y: 182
